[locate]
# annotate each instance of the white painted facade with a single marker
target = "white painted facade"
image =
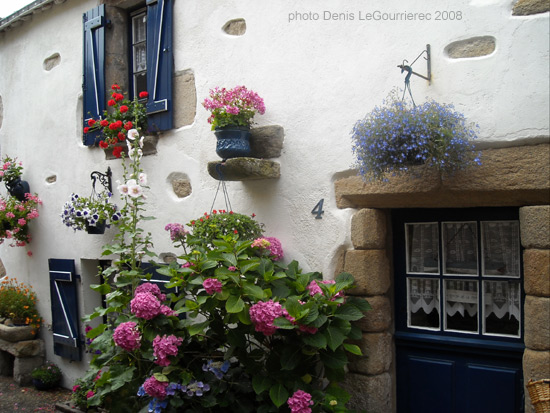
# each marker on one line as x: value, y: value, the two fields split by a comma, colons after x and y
x: 317, y: 77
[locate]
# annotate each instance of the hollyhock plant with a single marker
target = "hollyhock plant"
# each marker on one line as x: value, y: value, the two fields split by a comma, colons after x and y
x: 119, y: 119
x: 233, y: 107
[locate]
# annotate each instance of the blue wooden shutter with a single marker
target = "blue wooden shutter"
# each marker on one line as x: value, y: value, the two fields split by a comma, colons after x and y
x: 65, y: 320
x: 159, y: 64
x: 93, y: 84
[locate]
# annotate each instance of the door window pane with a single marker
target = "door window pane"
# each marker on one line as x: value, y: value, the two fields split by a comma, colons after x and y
x: 423, y: 303
x: 422, y: 248
x: 459, y: 248
x: 500, y: 248
x: 461, y: 305
x: 502, y: 305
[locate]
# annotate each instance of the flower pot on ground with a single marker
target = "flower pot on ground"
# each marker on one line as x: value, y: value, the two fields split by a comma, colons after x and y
x: 18, y: 305
x: 47, y: 376
x: 232, y: 111
x: 395, y: 137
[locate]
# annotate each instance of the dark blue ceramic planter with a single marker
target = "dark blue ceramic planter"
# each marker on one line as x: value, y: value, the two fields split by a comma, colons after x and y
x: 233, y: 142
x: 18, y: 188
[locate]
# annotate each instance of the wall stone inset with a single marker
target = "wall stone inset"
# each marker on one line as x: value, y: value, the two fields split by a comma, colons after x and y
x: 528, y: 7
x: 368, y: 229
x: 185, y: 98
x: 51, y: 179
x: 235, y: 27
x: 537, y: 329
x: 535, y: 226
x: 472, y: 47
x: 181, y: 184
x: 52, y: 61
x: 244, y: 169
x: 536, y: 271
x: 371, y: 270
x: 377, y: 354
x: 369, y: 393
x: 267, y: 141
x: 379, y: 317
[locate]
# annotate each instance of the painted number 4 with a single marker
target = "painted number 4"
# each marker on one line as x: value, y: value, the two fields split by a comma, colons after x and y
x: 318, y: 210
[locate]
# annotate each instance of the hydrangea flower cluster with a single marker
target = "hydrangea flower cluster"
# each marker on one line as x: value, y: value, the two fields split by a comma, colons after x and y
x: 127, y: 336
x: 150, y: 288
x: 154, y: 388
x: 147, y: 306
x: 218, y: 368
x: 314, y: 288
x: 272, y: 244
x: 212, y: 285
x: 262, y: 315
x: 299, y: 402
x: 165, y: 346
x: 394, y: 137
x: 195, y: 388
x: 233, y: 107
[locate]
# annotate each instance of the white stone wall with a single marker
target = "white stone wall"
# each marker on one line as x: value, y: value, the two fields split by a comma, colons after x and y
x: 317, y: 78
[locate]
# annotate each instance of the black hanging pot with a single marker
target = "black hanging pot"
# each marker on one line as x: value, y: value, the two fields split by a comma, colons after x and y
x: 233, y: 142
x: 98, y: 228
x: 18, y: 188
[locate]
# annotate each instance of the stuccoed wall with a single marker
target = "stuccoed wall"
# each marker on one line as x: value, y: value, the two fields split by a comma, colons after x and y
x: 317, y: 77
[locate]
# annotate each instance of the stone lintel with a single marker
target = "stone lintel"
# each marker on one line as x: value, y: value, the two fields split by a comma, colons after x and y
x: 244, y: 169
x: 513, y: 176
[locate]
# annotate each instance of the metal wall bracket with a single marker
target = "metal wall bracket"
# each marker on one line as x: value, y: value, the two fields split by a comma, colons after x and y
x: 104, y: 179
x: 405, y: 67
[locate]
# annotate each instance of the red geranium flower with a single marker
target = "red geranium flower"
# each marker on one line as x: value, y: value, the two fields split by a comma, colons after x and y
x: 121, y: 136
x: 113, y: 126
x: 123, y: 109
x: 143, y: 95
x: 115, y: 87
x: 117, y: 151
x: 111, y: 102
x: 119, y: 124
x: 104, y: 123
x: 103, y: 145
x: 91, y: 122
x: 118, y: 96
x: 128, y: 125
x: 86, y: 129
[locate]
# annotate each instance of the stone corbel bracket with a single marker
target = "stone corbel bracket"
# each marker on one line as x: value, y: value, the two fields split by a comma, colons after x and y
x: 265, y: 142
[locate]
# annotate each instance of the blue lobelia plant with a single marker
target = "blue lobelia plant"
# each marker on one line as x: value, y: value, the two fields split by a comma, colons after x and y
x: 395, y: 136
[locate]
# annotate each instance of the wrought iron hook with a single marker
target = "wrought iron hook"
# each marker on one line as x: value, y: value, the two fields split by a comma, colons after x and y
x: 104, y: 179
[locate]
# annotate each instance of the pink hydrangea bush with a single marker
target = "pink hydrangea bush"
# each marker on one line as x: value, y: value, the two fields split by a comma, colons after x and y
x: 212, y: 285
x: 262, y: 314
x: 300, y: 402
x: 155, y: 388
x: 165, y: 346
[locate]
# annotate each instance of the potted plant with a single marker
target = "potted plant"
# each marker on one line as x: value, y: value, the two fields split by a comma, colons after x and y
x: 92, y: 213
x: 15, y: 217
x: 47, y: 376
x: 394, y: 137
x: 220, y: 223
x: 11, y: 175
x: 123, y: 115
x: 18, y: 311
x: 232, y: 111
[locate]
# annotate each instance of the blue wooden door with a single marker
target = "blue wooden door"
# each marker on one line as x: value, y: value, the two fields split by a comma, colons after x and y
x: 458, y: 310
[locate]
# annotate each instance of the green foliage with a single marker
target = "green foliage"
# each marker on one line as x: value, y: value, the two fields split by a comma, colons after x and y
x: 18, y: 302
x: 49, y: 374
x: 220, y: 224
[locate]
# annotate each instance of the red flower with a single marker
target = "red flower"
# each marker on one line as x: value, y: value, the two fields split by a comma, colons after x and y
x: 121, y: 136
x: 119, y: 124
x: 117, y: 151
x: 118, y: 96
x: 104, y: 123
x: 113, y: 126
x: 235, y: 231
x: 86, y: 129
x: 115, y: 87
x: 253, y: 215
x: 128, y: 125
x: 143, y: 95
x: 111, y: 102
x: 103, y: 145
x: 123, y: 109
x: 91, y: 122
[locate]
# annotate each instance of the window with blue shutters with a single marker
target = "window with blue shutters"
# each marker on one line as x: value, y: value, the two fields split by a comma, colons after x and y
x: 150, y: 65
